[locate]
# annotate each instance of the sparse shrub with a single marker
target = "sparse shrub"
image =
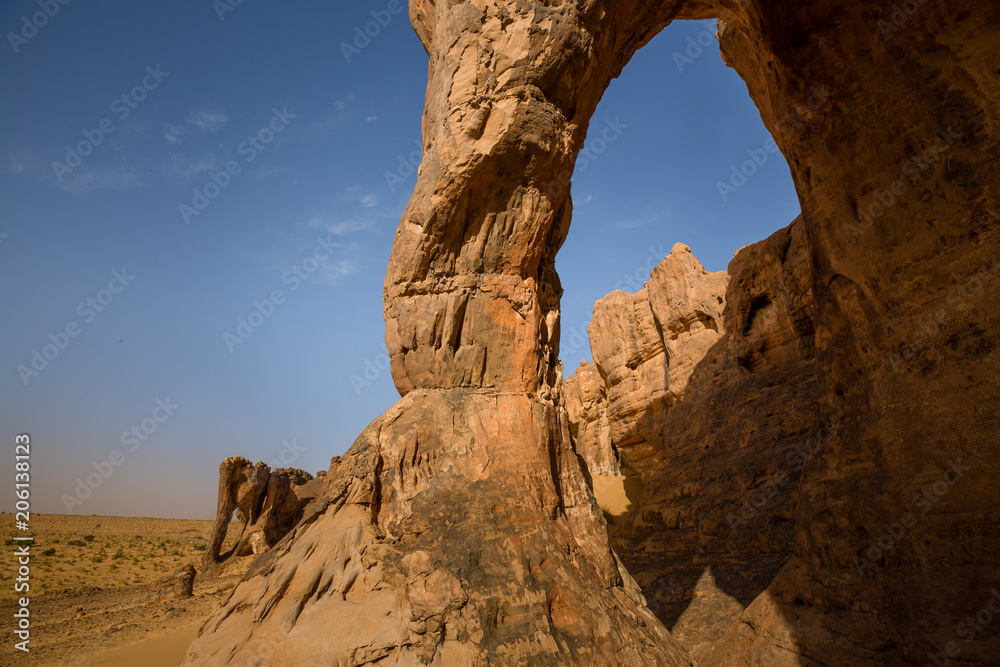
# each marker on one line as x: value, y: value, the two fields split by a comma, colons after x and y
x: 49, y: 552
x: 89, y: 538
x: 199, y: 546
x: 119, y: 554
x: 77, y: 543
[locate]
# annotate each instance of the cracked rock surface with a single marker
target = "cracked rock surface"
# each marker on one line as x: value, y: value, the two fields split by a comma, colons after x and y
x: 459, y: 528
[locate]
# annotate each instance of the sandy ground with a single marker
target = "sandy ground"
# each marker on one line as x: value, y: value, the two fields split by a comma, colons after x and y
x: 90, y: 602
x: 90, y: 590
x: 616, y: 496
x: 164, y: 651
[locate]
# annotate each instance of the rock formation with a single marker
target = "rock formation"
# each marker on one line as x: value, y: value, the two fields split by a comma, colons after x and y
x: 459, y: 528
x: 268, y: 504
x: 177, y: 586
x: 720, y: 435
x: 587, y: 410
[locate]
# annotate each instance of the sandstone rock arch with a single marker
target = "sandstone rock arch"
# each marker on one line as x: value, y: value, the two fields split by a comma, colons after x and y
x: 459, y: 529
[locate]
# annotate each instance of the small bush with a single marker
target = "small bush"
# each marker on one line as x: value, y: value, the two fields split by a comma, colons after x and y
x: 77, y: 543
x: 89, y: 538
x: 49, y: 552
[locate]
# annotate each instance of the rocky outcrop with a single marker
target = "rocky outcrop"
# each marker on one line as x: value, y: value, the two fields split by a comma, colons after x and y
x: 268, y: 503
x: 402, y: 559
x: 721, y: 445
x: 177, y: 586
x: 645, y: 347
x: 587, y: 410
x: 888, y: 119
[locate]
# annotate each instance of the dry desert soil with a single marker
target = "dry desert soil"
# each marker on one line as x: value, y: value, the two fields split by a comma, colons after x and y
x: 90, y: 579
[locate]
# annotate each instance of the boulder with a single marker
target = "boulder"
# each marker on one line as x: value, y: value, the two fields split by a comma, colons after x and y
x: 177, y: 586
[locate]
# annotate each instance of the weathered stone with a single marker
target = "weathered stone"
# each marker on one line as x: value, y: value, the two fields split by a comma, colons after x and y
x: 887, y: 117
x: 646, y: 345
x: 241, y: 489
x: 721, y: 459
x: 469, y: 543
x: 267, y: 503
x: 177, y: 586
x: 587, y: 409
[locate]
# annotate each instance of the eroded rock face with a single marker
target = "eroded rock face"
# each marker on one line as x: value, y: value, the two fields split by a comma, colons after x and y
x: 587, y: 409
x: 268, y: 503
x: 474, y: 544
x: 912, y: 105
x: 472, y: 326
x: 720, y: 452
x: 646, y: 345
x: 177, y: 586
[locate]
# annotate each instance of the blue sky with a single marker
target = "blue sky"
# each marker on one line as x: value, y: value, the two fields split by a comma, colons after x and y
x: 216, y: 164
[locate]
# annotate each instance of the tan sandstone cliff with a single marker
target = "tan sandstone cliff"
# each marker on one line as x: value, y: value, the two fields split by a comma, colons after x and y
x: 459, y: 528
x: 721, y: 433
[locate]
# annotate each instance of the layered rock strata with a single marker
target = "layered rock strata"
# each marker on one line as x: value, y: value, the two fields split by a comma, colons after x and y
x: 718, y: 420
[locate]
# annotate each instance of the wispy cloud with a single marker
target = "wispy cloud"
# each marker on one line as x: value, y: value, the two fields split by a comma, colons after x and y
x: 24, y: 161
x: 369, y: 201
x: 371, y: 118
x: 263, y: 170
x: 17, y: 166
x: 173, y: 134
x: 208, y: 121
x: 186, y: 167
x: 88, y: 180
x: 334, y: 270
x: 340, y: 228
x: 642, y: 220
